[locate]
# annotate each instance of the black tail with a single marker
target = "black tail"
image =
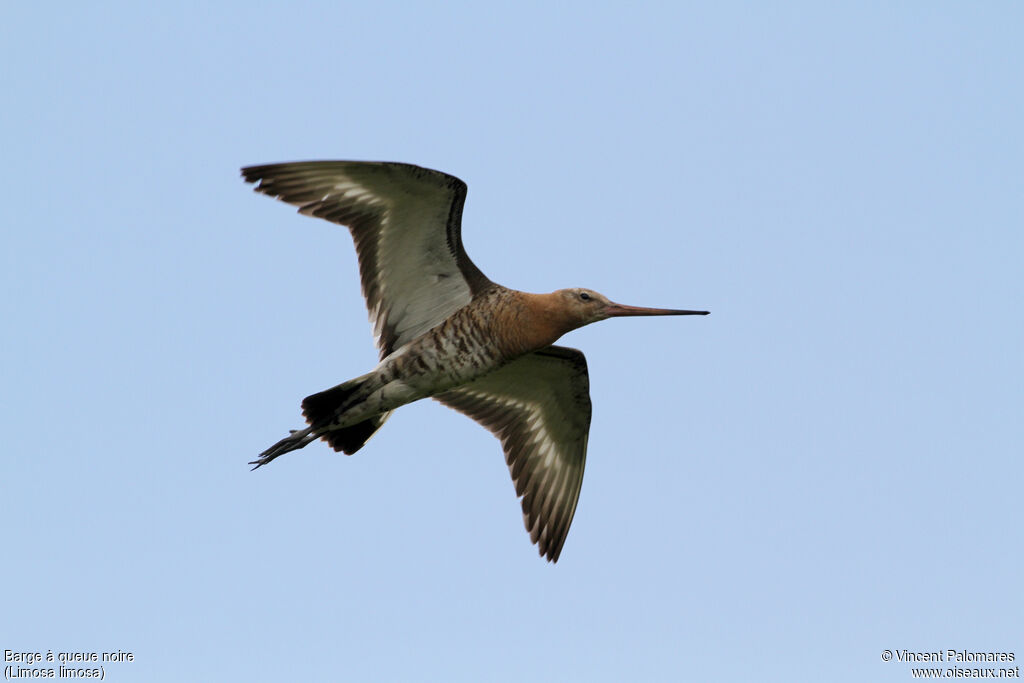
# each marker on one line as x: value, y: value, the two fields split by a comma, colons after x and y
x: 350, y: 439
x: 322, y: 408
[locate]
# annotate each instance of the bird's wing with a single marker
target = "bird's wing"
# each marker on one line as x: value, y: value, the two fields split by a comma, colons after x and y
x: 406, y: 224
x: 539, y: 407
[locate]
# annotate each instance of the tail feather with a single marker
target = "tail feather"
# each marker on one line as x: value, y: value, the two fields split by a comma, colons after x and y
x: 351, y: 439
x: 320, y: 410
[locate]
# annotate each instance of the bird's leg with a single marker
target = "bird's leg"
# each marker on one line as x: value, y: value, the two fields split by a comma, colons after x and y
x: 297, y: 439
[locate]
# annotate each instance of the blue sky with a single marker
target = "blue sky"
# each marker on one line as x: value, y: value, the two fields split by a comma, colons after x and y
x: 825, y: 467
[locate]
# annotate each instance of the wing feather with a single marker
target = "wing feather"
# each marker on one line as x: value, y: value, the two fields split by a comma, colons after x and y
x: 406, y: 224
x: 539, y: 407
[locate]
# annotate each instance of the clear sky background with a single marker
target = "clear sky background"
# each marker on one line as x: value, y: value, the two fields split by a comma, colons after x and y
x: 827, y: 466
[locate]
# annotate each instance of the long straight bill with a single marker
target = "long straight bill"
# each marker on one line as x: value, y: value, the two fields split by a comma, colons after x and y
x: 617, y: 310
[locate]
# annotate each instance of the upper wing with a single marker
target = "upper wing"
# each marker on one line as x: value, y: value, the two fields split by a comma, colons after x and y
x: 539, y: 407
x: 406, y: 224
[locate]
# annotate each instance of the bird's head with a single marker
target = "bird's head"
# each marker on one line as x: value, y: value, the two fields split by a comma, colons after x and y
x: 584, y: 306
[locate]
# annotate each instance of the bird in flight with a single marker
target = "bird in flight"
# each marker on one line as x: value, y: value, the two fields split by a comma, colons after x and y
x: 447, y: 332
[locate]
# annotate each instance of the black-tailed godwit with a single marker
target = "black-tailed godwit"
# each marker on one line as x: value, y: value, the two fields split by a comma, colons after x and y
x: 446, y: 331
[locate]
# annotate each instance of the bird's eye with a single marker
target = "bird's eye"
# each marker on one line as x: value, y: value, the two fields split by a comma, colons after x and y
x: 584, y: 296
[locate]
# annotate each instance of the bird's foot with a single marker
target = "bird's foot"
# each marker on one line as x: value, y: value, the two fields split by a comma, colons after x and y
x: 296, y: 440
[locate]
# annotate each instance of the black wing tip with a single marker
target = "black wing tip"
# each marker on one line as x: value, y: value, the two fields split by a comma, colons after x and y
x: 252, y: 174
x: 550, y: 547
x: 551, y: 554
x: 258, y: 172
x: 264, y: 172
